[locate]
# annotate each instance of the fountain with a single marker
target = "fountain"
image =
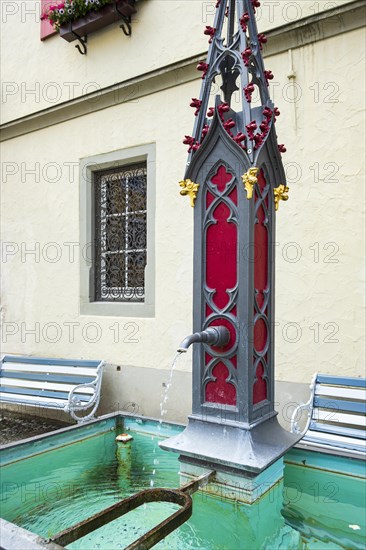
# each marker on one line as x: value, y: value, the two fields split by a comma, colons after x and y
x: 233, y: 445
x: 235, y: 181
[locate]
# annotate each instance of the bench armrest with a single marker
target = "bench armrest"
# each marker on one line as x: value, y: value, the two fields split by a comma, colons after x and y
x: 303, y: 407
x: 73, y: 399
x: 75, y: 404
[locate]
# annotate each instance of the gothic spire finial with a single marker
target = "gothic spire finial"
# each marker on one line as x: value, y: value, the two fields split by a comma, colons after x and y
x: 237, y: 58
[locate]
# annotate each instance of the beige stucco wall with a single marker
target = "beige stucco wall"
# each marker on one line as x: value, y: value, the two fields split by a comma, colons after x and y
x: 38, y: 75
x: 319, y: 233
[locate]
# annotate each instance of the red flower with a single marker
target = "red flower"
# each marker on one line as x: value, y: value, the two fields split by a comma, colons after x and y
x: 282, y: 148
x: 267, y: 113
x: 211, y: 112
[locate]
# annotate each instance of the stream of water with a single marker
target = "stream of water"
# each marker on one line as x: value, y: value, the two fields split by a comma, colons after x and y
x: 163, y: 410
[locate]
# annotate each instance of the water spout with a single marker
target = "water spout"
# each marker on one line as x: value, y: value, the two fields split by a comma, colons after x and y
x: 215, y: 336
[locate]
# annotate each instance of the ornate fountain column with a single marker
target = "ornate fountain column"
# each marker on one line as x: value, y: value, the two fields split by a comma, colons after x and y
x: 235, y: 180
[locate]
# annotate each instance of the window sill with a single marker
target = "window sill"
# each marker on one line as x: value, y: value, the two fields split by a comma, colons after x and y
x: 117, y: 309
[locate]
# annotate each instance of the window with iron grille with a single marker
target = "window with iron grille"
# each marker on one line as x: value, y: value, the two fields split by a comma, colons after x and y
x: 120, y: 233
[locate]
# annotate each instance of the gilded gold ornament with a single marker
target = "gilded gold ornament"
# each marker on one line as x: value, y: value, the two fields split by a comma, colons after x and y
x: 280, y: 194
x: 249, y: 180
x: 189, y: 188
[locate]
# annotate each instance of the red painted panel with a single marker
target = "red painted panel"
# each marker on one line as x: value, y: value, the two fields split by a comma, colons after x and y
x: 260, y: 245
x: 209, y: 199
x: 261, y: 250
x: 220, y: 391
x: 46, y: 27
x: 208, y: 310
x: 260, y: 335
x: 208, y: 358
x: 234, y: 196
x: 260, y: 386
x: 221, y: 178
x: 221, y: 255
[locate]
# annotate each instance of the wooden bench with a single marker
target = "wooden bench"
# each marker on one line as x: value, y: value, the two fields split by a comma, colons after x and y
x: 68, y: 385
x: 336, y: 416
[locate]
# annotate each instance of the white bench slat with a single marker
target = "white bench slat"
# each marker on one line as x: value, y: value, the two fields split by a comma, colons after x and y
x: 335, y: 439
x: 342, y: 418
x: 21, y: 398
x: 52, y: 380
x: 336, y: 416
x: 356, y: 394
x: 55, y: 369
x: 38, y: 385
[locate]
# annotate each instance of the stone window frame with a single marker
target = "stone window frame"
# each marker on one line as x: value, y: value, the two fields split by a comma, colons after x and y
x: 104, y: 161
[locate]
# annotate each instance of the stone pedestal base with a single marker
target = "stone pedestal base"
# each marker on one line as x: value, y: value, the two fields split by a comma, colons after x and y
x: 241, y: 487
x: 232, y: 448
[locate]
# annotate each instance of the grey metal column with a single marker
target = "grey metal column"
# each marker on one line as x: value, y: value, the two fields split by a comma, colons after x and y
x: 235, y: 180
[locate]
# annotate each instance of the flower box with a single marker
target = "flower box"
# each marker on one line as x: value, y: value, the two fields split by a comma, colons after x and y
x: 96, y: 20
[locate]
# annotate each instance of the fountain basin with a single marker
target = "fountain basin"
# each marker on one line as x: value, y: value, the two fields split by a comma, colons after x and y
x: 51, y: 482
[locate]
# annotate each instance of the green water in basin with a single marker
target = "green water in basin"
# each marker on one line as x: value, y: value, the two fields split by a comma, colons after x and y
x: 55, y: 489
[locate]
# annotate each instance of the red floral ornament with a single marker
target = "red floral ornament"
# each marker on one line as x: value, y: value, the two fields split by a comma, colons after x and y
x: 262, y: 39
x: 246, y: 56
x: 239, y: 138
x: 223, y: 108
x: 268, y: 76
x: 210, y: 31
x: 258, y: 139
x: 205, y: 130
x: 282, y: 148
x: 202, y: 66
x: 252, y: 126
x: 228, y: 124
x: 196, y: 103
x: 248, y: 90
x: 244, y: 20
x: 264, y: 127
x: 189, y: 140
x: 267, y: 112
